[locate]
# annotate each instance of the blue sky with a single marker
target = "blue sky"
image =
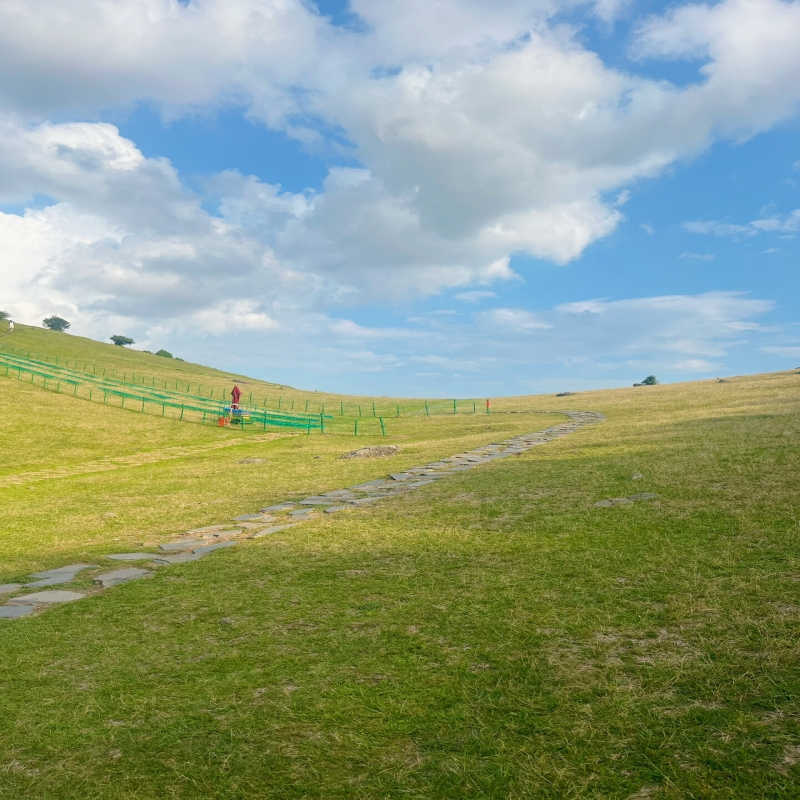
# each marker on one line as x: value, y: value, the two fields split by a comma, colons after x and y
x: 395, y: 198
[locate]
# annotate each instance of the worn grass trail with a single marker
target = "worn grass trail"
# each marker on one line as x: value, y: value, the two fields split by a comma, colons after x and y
x: 493, y: 635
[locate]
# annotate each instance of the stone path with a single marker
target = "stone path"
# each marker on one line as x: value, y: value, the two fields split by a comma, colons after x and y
x: 199, y: 542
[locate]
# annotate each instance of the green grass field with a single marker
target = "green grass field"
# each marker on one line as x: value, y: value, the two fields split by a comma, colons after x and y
x: 494, y: 635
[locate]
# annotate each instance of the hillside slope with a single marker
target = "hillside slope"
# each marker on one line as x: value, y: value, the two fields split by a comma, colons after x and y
x: 496, y: 634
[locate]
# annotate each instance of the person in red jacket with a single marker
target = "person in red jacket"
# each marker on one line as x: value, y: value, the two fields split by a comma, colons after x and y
x: 236, y: 393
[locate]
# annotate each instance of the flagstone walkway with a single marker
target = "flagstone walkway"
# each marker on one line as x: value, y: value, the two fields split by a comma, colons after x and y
x: 199, y: 542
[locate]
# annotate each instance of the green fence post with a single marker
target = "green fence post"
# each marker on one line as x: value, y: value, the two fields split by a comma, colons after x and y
x: 292, y: 408
x: 398, y: 411
x: 162, y: 409
x: 91, y: 392
x: 341, y: 409
x: 123, y: 401
x: 359, y: 411
x: 427, y: 412
x: 105, y: 398
x: 474, y: 408
x: 454, y: 407
x: 280, y: 403
x: 321, y: 423
x: 58, y: 387
x: 143, y: 405
x: 355, y: 431
x: 322, y: 409
x: 204, y: 419
x: 181, y: 411
x: 251, y: 398
x: 75, y: 391
x: 306, y: 405
x: 383, y: 427
x: 309, y: 426
x: 373, y: 409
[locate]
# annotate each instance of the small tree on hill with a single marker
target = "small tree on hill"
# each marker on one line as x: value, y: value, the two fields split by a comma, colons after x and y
x: 121, y: 341
x: 650, y: 380
x: 4, y: 315
x: 55, y: 323
x: 164, y: 353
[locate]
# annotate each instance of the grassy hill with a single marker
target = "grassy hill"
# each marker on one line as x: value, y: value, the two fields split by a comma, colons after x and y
x: 493, y: 635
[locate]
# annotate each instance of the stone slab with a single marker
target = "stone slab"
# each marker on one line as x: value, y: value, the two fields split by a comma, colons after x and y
x: 53, y: 580
x: 279, y: 507
x: 121, y: 576
x: 181, y: 545
x: 208, y: 529
x: 247, y: 517
x: 304, y: 512
x: 15, y: 612
x: 250, y: 526
x: 334, y: 509
x: 7, y: 588
x: 46, y: 598
x: 229, y: 534
x: 73, y: 568
x: 268, y: 531
x: 178, y: 558
x: 209, y: 548
x: 131, y: 556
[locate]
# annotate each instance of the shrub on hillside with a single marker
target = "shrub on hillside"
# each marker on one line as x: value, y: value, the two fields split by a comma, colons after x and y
x: 121, y: 341
x: 4, y: 315
x: 55, y: 323
x: 164, y: 353
x: 650, y: 380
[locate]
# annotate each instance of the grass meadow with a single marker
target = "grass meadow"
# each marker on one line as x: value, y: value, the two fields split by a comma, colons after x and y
x: 493, y: 635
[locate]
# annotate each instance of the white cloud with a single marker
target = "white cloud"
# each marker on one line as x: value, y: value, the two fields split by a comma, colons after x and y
x: 694, y: 365
x: 693, y: 326
x: 240, y: 315
x: 515, y: 319
x: 697, y: 256
x: 474, y: 296
x: 777, y: 223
